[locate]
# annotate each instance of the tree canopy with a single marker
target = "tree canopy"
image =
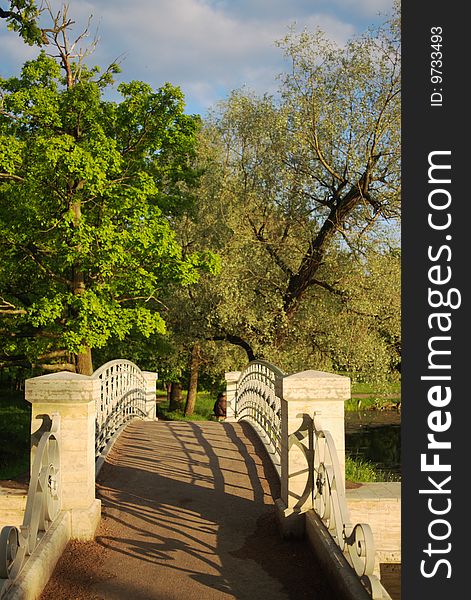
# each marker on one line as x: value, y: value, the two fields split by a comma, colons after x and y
x: 116, y: 215
x: 301, y: 199
x: 22, y: 16
x: 87, y: 186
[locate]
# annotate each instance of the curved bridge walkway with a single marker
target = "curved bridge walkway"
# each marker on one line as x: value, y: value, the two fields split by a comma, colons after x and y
x: 187, y: 513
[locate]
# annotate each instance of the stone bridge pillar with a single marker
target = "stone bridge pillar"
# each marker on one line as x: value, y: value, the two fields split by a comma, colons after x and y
x: 150, y: 378
x: 305, y: 396
x: 232, y: 377
x: 73, y: 396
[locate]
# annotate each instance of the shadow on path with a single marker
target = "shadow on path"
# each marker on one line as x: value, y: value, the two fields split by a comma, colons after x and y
x: 187, y: 512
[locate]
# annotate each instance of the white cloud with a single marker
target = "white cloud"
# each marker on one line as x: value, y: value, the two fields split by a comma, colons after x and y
x: 208, y: 47
x: 368, y: 8
x: 200, y: 46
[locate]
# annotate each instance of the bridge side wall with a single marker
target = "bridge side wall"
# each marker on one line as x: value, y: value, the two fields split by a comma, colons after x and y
x: 75, y: 398
x: 305, y: 397
x: 379, y: 505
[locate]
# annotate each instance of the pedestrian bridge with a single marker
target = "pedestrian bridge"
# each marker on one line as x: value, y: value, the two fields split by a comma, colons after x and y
x: 188, y: 509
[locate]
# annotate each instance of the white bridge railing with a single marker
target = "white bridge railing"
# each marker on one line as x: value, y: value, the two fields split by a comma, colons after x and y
x: 258, y: 401
x: 122, y: 397
x: 43, y: 505
x: 88, y: 412
x: 300, y: 419
x: 330, y: 504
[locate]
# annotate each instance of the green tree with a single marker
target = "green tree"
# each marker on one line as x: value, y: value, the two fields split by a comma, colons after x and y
x: 22, y: 16
x: 301, y: 200
x: 325, y: 157
x: 86, y: 188
x: 350, y: 321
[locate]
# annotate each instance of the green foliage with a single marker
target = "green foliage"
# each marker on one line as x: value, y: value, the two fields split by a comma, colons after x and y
x: 15, y: 423
x: 115, y: 216
x: 22, y: 17
x: 300, y: 198
x: 87, y: 189
x: 350, y: 320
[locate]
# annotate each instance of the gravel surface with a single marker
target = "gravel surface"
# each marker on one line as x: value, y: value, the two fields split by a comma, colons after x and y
x: 187, y: 513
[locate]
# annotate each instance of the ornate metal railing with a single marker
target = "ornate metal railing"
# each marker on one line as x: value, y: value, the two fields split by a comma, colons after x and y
x: 330, y: 504
x: 122, y: 398
x: 258, y: 401
x: 43, y: 505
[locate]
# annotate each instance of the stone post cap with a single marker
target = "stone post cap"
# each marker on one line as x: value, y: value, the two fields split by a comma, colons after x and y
x: 150, y: 375
x: 232, y: 376
x: 63, y: 387
x: 316, y: 385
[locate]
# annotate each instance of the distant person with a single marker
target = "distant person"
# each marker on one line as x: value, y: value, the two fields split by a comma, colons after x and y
x: 220, y: 407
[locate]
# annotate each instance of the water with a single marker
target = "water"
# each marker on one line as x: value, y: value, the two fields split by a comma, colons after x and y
x: 375, y: 436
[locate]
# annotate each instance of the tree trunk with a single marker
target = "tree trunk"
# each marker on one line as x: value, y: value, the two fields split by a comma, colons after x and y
x: 83, y: 359
x: 305, y: 276
x: 176, y: 399
x: 83, y: 362
x: 193, y: 385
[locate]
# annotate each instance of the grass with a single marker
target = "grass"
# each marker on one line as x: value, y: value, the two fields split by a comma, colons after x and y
x: 393, y: 387
x: 15, y: 423
x: 203, y: 408
x: 365, y: 396
x: 372, y: 403
x: 362, y: 471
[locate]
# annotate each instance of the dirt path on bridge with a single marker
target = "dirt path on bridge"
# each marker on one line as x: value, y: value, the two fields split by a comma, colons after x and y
x: 187, y: 513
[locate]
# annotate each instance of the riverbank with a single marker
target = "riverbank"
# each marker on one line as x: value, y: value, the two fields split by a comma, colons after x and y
x: 373, y: 438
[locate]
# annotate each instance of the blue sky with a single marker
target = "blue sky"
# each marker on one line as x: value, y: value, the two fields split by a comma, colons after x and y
x: 207, y: 47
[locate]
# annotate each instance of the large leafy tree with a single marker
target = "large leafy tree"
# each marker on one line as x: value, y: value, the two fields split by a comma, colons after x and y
x: 349, y: 321
x: 325, y: 158
x: 87, y: 188
x: 301, y: 199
